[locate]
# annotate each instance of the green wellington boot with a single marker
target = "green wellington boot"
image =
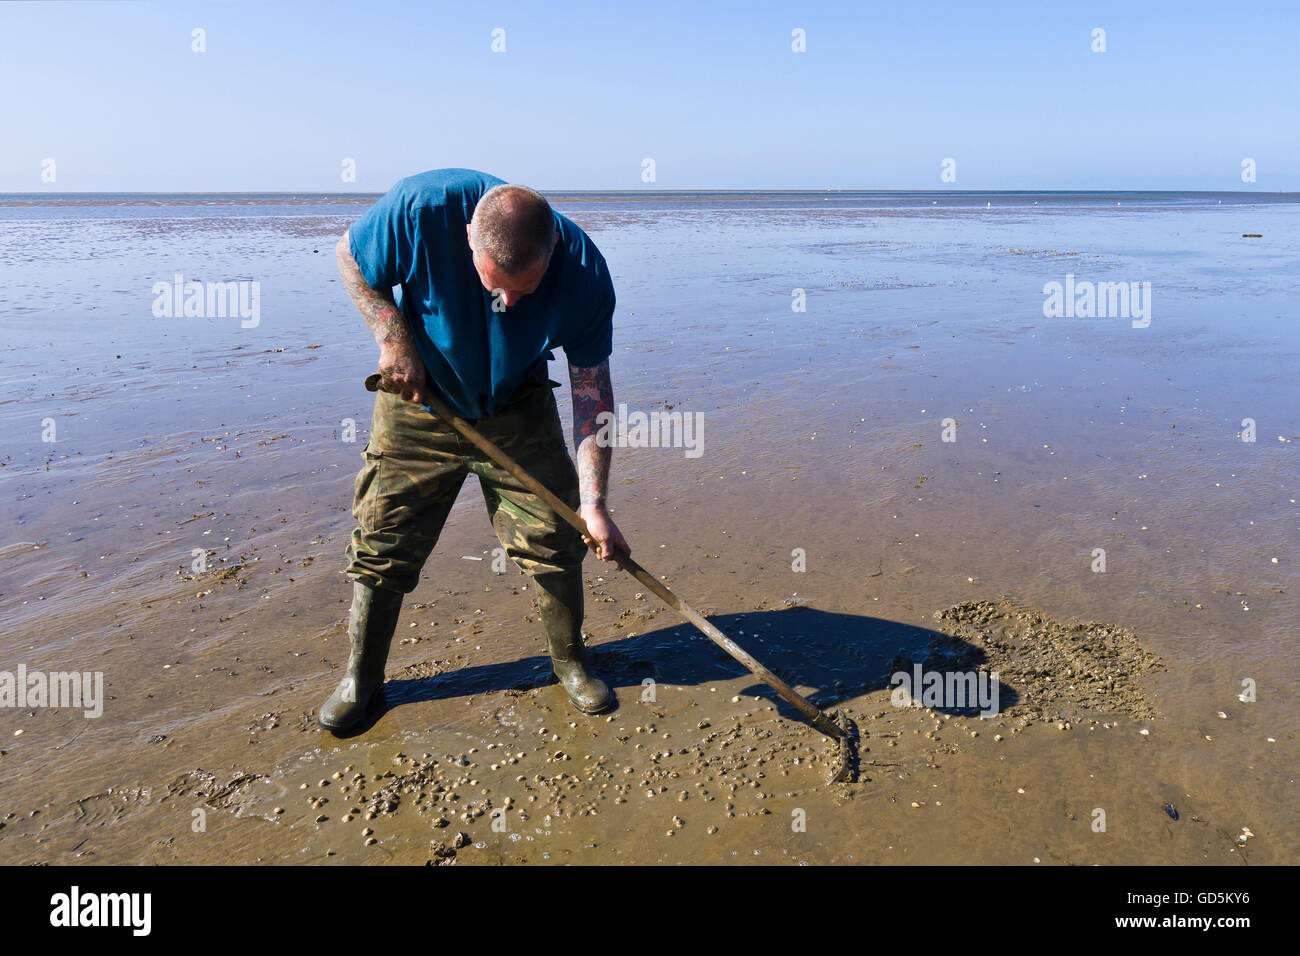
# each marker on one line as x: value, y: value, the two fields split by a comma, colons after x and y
x: 370, y: 631
x: 559, y: 601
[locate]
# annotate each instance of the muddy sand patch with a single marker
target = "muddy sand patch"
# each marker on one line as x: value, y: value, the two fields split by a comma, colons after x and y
x: 700, y: 761
x: 496, y: 768
x: 1049, y: 669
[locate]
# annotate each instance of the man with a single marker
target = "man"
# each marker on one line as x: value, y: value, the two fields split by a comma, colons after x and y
x: 491, y: 280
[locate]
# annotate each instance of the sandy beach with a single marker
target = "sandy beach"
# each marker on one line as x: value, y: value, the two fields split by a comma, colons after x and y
x: 915, y: 469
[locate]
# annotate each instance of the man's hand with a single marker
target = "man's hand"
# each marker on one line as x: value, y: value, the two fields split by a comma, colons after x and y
x: 603, y: 536
x: 401, y: 371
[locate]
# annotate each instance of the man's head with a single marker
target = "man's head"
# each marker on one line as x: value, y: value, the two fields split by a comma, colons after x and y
x: 512, y: 235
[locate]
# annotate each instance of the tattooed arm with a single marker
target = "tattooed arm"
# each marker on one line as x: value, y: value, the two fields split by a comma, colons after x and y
x: 399, y: 360
x: 593, y: 394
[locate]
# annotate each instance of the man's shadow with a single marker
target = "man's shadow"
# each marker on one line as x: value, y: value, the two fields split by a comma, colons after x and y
x: 839, y: 656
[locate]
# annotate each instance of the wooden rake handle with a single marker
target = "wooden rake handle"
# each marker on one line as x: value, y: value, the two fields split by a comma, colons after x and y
x: 819, y: 718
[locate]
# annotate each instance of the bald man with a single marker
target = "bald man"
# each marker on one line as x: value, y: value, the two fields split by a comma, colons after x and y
x: 490, y: 280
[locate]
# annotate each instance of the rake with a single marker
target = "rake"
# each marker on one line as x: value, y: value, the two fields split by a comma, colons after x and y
x: 839, y: 728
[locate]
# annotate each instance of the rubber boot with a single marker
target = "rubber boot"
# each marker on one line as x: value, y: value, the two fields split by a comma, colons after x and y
x: 371, y: 623
x: 559, y: 602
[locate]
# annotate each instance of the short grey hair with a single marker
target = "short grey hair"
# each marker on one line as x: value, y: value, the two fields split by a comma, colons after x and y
x: 514, y: 227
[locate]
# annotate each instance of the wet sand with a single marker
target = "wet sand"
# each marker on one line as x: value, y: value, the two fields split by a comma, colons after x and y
x: 823, y: 434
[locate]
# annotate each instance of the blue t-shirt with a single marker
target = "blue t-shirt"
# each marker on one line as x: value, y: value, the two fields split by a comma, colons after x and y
x: 414, y: 237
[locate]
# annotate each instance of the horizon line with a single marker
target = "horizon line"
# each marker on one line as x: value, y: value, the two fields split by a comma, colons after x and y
x: 681, y: 190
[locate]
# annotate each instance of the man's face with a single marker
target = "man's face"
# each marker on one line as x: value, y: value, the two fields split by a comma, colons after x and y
x: 511, y: 288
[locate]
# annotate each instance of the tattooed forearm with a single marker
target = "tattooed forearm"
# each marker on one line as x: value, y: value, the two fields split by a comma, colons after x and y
x: 592, y: 394
x: 377, y: 308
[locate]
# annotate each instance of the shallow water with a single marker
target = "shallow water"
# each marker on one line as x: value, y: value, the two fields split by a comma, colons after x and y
x: 822, y: 433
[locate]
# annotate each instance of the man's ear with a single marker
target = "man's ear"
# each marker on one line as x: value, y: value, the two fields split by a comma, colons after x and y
x: 557, y: 238
x: 469, y: 234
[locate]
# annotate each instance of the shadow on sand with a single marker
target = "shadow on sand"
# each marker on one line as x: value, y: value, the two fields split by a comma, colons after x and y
x: 829, y: 657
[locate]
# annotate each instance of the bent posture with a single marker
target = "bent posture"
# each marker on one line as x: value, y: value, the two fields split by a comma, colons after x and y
x: 491, y: 279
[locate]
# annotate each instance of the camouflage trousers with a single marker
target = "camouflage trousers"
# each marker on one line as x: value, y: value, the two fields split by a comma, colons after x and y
x: 414, y: 466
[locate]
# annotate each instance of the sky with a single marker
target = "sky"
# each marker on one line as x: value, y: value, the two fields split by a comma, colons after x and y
x: 285, y: 95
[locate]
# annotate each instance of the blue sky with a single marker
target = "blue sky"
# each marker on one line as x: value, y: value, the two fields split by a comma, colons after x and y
x: 1011, y: 91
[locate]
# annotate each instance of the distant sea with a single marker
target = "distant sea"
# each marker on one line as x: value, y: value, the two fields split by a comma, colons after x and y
x: 178, y: 205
